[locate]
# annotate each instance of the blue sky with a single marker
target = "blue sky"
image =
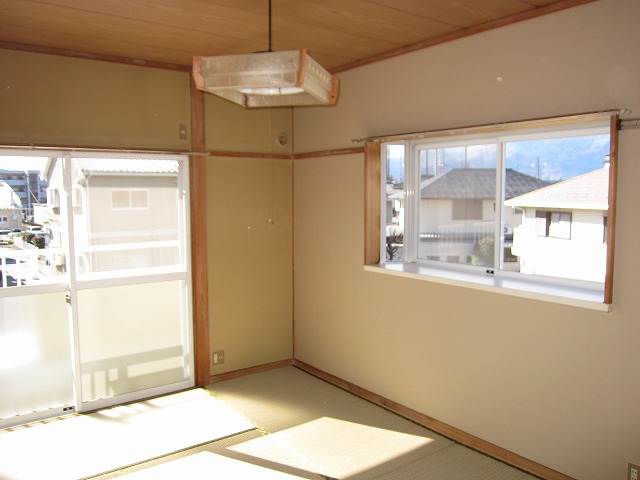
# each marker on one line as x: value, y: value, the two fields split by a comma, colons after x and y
x: 22, y: 163
x: 552, y: 159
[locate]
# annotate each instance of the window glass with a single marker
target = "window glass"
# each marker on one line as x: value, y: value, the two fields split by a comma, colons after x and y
x: 554, y: 205
x: 457, y: 218
x: 530, y: 202
x: 394, y: 203
x: 30, y: 250
x: 127, y: 214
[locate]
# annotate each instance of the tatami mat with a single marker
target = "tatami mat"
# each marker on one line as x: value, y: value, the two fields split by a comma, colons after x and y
x: 309, y: 429
x: 207, y: 465
x: 317, y: 427
x: 85, y: 445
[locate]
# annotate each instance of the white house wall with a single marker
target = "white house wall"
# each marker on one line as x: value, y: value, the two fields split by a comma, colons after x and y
x: 547, y: 255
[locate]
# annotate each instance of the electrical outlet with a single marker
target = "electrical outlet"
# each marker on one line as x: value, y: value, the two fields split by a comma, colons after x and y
x: 182, y: 131
x: 218, y: 357
x: 632, y: 471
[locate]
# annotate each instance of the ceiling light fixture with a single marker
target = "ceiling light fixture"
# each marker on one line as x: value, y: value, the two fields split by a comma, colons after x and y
x: 267, y: 79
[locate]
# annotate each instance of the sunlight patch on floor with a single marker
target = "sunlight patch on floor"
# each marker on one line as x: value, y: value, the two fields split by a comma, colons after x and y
x: 333, y: 447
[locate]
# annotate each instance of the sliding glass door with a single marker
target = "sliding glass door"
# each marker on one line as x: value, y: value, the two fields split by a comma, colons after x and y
x: 104, y: 291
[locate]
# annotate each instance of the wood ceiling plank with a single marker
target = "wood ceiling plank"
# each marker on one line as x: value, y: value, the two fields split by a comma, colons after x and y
x: 196, y: 15
x: 460, y: 13
x: 287, y: 35
x: 362, y: 18
x: 539, y: 3
x: 53, y: 26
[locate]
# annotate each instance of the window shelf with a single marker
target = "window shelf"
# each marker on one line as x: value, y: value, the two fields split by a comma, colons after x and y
x: 565, y: 295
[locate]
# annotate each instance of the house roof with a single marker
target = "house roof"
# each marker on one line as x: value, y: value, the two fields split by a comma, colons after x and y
x: 116, y: 166
x: 479, y: 183
x: 394, y: 193
x: 588, y: 192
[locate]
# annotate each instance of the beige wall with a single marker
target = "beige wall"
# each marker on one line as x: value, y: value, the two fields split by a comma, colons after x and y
x: 250, y: 260
x: 55, y: 100
x: 231, y: 128
x: 556, y: 384
x: 249, y: 235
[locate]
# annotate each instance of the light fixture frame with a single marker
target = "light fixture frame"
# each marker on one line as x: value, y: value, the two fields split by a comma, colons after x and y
x: 267, y: 79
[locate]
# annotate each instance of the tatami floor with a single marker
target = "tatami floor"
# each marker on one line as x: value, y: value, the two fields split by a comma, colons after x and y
x: 307, y: 428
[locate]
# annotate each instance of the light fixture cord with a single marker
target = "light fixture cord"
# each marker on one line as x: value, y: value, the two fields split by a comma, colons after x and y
x: 270, y: 50
x: 272, y: 187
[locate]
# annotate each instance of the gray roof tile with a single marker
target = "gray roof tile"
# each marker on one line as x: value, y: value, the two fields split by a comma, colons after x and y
x: 588, y: 191
x: 128, y: 166
x: 478, y: 183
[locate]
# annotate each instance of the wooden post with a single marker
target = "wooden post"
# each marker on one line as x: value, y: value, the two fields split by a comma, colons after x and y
x: 372, y: 202
x: 199, y: 263
x: 611, y: 214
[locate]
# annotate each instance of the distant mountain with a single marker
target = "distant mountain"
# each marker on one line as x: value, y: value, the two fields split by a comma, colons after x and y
x: 550, y: 159
x: 558, y: 159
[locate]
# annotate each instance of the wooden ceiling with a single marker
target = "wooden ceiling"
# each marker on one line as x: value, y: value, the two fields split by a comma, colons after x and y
x: 340, y: 34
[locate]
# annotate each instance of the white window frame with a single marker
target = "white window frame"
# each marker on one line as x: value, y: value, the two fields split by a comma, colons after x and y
x: 559, y: 290
x: 72, y: 282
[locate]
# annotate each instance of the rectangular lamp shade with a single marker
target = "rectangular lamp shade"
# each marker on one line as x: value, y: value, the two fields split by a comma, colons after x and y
x: 267, y: 79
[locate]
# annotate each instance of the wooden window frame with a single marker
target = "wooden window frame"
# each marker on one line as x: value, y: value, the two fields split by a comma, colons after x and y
x: 373, y: 191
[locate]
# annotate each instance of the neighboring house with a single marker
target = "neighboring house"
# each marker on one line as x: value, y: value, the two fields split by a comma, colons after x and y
x: 10, y: 208
x: 394, y: 215
x: 395, y: 206
x: 561, y: 225
x: 116, y: 203
x: 457, y: 210
x: 29, y: 187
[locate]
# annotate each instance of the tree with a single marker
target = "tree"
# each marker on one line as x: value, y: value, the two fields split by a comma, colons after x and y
x: 38, y: 241
x: 393, y: 242
x: 483, y: 252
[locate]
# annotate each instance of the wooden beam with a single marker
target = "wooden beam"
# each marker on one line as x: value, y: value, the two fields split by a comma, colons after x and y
x: 231, y: 154
x: 611, y: 215
x: 372, y: 202
x: 93, y: 56
x: 250, y: 370
x: 199, y: 263
x: 329, y: 153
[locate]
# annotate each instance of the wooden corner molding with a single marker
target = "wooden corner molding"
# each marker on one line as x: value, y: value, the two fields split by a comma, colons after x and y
x: 251, y: 370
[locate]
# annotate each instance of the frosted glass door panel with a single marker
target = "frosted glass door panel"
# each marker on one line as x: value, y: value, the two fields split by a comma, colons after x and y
x: 131, y: 338
x: 35, y: 354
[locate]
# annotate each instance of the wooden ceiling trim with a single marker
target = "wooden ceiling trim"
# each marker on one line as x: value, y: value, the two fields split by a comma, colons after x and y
x: 501, y: 22
x: 93, y: 56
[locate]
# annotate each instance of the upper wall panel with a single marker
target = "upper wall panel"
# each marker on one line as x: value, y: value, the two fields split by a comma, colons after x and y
x: 51, y: 100
x: 230, y: 127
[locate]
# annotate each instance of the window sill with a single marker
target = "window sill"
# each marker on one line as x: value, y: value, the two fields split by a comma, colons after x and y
x: 573, y: 296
